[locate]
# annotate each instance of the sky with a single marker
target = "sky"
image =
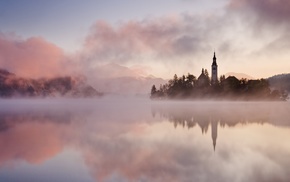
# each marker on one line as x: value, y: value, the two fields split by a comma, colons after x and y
x: 134, y: 38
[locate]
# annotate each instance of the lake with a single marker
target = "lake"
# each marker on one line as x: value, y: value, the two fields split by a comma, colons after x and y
x: 135, y: 139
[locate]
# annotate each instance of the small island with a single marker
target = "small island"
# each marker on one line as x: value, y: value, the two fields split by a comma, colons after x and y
x: 204, y: 87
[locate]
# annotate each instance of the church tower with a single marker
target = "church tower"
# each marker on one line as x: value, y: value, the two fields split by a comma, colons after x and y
x: 214, y: 71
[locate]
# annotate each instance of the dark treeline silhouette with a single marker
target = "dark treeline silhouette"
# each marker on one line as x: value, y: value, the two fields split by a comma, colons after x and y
x: 189, y: 87
x: 12, y: 85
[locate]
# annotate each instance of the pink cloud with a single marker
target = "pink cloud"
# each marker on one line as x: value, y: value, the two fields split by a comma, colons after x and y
x: 33, y: 57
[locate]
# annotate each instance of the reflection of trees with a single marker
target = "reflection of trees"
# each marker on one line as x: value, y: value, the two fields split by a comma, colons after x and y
x: 190, y: 115
x: 204, y: 114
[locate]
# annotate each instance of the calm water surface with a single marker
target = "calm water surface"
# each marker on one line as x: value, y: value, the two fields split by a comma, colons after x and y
x: 127, y: 139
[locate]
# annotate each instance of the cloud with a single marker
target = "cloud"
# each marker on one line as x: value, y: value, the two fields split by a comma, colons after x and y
x: 264, y: 18
x: 33, y: 57
x: 265, y: 11
x: 267, y: 23
x: 135, y: 40
x: 239, y: 31
x: 280, y: 44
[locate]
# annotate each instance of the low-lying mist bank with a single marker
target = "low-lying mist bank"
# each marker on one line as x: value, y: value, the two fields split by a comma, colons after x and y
x: 141, y: 100
x: 137, y: 108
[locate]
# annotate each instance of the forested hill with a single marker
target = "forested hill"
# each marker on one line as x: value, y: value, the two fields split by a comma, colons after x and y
x: 68, y: 86
x: 280, y: 82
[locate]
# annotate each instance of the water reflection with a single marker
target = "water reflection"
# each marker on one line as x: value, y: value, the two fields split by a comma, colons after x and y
x: 230, y: 114
x: 117, y: 140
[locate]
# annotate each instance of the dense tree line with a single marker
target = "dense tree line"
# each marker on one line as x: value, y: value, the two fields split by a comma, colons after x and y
x: 227, y: 88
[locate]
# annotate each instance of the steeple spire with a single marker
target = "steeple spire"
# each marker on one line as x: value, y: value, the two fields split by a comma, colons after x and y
x: 214, y: 59
x: 214, y: 71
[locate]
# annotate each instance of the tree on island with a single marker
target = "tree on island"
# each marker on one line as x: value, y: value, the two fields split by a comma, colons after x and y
x: 188, y: 87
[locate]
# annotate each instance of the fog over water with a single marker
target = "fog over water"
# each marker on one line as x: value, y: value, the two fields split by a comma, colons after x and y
x: 136, y: 139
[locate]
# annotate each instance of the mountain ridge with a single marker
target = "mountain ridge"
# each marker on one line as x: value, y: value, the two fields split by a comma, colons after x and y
x: 280, y: 81
x: 239, y: 75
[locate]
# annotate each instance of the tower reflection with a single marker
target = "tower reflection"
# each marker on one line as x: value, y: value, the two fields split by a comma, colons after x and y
x: 214, y: 132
